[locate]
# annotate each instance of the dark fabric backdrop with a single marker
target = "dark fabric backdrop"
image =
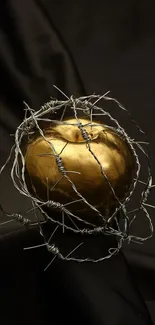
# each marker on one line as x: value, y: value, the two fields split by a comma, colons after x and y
x: 83, y: 47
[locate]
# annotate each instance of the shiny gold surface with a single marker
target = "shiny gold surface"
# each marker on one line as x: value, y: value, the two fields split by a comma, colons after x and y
x: 111, y: 150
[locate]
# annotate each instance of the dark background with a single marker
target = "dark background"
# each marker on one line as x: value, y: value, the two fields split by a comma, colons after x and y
x: 83, y: 47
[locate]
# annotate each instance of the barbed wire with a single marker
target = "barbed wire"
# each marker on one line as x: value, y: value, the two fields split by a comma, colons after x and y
x: 87, y: 106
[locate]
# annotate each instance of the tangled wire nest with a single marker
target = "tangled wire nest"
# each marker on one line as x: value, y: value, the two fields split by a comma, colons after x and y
x: 88, y: 107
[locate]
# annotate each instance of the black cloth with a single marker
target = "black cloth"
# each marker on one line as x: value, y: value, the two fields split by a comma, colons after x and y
x: 82, y: 48
x: 102, y: 293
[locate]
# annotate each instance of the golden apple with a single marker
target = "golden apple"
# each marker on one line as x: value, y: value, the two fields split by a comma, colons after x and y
x: 111, y: 150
